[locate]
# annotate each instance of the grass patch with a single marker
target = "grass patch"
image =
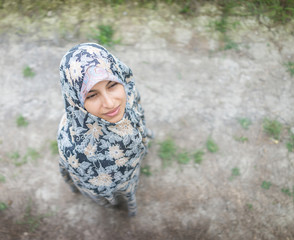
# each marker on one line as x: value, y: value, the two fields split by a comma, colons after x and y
x: 290, y: 143
x: 273, y: 128
x: 290, y: 68
x: 241, y: 139
x: 266, y: 185
x: 287, y: 191
x: 183, y: 158
x: 28, y: 72
x: 104, y: 35
x: 211, y: 145
x: 245, y: 123
x: 235, y: 172
x: 167, y: 151
x: 31, y: 154
x: 21, y: 121
x: 54, y: 147
x: 198, y: 156
x: 249, y: 206
x: 3, y: 206
x: 14, y: 155
x: 2, y: 178
x: 146, y: 170
x: 230, y: 44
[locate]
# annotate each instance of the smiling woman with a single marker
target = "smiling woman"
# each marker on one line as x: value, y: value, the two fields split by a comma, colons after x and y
x: 102, y: 136
x: 107, y: 100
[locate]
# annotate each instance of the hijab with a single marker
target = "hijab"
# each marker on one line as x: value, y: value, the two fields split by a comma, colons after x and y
x: 101, y: 158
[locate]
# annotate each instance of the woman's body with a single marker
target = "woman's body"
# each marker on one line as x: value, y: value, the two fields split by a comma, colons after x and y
x: 102, y: 136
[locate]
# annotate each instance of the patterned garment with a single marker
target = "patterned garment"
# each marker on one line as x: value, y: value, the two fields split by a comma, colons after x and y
x: 99, y: 158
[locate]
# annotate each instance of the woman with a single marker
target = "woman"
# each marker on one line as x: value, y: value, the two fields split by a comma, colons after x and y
x: 102, y: 136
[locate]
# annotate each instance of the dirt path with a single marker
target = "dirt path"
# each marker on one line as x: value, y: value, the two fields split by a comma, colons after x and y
x: 190, y: 91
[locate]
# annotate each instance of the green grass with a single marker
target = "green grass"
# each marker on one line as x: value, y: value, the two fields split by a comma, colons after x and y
x: 266, y: 185
x: 183, y: 158
x: 21, y: 121
x: 279, y: 11
x: 3, y: 206
x: 249, y: 206
x: 230, y: 44
x: 54, y: 147
x: 14, y: 155
x: 290, y: 143
x: 211, y: 145
x: 104, y: 35
x: 245, y: 123
x: 241, y: 139
x: 146, y: 170
x: 28, y: 72
x: 167, y: 151
x: 273, y: 128
x: 31, y: 154
x: 198, y: 156
x: 290, y: 68
x: 20, y: 162
x: 2, y: 178
x: 235, y: 172
x: 287, y: 191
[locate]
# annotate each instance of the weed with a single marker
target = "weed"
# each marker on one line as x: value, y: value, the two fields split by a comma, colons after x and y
x: 104, y: 35
x: 290, y: 68
x: 245, y: 122
x: 167, y: 151
x: 220, y: 26
x: 31, y: 221
x: 241, y: 139
x: 146, y: 171
x: 198, y: 156
x: 186, y: 9
x: 14, y: 155
x: 230, y: 44
x: 183, y: 158
x: 273, y: 128
x: 31, y: 154
x: 28, y: 72
x: 287, y: 191
x: 234, y: 173
x: 249, y: 206
x: 2, y: 178
x: 211, y: 145
x: 3, y: 206
x: 266, y: 185
x: 21, y: 121
x: 21, y: 162
x: 290, y: 143
x: 54, y: 147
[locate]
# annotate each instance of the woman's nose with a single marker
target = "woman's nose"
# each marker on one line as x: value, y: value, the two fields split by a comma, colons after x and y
x: 108, y: 101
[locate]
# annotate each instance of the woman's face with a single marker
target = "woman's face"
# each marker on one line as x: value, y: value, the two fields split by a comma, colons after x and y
x: 107, y: 100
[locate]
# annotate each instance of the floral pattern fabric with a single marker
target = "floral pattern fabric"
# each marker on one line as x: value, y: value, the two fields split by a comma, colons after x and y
x: 99, y: 158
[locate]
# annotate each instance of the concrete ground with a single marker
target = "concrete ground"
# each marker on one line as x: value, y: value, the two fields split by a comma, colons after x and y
x: 191, y: 90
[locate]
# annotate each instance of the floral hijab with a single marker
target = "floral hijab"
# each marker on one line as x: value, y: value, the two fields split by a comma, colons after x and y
x: 99, y: 158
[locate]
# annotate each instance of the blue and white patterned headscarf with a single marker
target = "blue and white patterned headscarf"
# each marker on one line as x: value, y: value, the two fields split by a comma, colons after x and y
x: 99, y: 158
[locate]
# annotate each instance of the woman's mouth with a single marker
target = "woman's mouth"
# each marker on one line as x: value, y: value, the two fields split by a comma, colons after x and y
x: 113, y: 112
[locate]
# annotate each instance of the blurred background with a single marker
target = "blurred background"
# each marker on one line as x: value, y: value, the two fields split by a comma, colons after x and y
x: 216, y: 81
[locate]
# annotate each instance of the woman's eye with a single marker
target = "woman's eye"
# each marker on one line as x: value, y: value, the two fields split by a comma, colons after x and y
x: 91, y: 96
x: 112, y: 85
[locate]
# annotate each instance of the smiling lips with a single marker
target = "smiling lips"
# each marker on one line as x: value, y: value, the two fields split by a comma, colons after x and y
x: 113, y: 112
